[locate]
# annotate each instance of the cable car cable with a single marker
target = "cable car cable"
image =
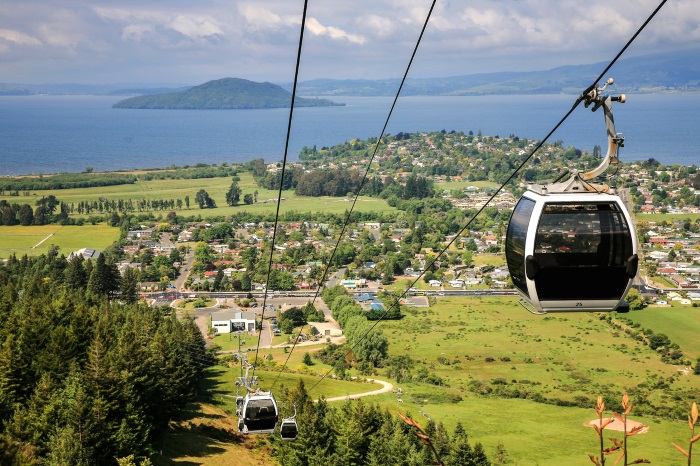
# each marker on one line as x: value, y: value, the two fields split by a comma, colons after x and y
x: 362, y: 183
x: 539, y: 145
x: 284, y: 164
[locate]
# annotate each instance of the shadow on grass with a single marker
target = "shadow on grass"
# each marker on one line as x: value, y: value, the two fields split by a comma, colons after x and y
x: 197, y: 434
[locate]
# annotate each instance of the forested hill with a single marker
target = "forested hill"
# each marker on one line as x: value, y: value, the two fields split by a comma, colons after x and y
x: 227, y: 93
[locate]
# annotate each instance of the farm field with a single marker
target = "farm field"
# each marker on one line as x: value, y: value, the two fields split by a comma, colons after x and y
x: 217, y: 188
x: 665, y: 217
x: 22, y: 240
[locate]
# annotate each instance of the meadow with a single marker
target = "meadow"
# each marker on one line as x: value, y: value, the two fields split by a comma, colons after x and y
x: 491, y: 354
x: 666, y: 217
x: 511, y: 377
x: 22, y: 240
x: 217, y: 188
x: 679, y: 322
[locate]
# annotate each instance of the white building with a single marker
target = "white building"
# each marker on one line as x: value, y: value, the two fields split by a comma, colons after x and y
x: 233, y: 321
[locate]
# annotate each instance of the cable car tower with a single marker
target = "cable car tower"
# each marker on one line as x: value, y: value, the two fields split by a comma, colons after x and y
x: 571, y: 245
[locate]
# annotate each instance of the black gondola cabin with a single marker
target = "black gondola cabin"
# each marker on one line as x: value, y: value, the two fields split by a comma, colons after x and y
x: 571, y: 251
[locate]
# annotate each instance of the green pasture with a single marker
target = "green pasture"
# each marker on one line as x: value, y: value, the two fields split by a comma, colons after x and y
x: 560, y: 357
x: 449, y: 185
x: 680, y: 323
x: 222, y: 382
x: 217, y: 188
x: 535, y: 433
x: 22, y: 240
x: 666, y: 217
x: 229, y: 342
x: 496, y: 260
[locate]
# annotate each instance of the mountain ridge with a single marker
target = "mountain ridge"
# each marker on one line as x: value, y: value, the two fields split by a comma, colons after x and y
x: 662, y: 72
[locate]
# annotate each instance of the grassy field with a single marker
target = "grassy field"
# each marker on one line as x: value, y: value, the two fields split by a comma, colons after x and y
x: 206, y: 435
x: 25, y: 240
x: 217, y: 188
x: 680, y: 323
x: 491, y: 342
x: 665, y: 217
x: 222, y: 384
x: 476, y: 342
x: 449, y: 185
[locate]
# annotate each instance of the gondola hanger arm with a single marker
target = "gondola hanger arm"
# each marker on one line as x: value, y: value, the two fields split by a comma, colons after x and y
x: 597, y: 98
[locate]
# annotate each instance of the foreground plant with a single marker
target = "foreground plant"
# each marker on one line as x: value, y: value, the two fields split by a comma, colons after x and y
x: 618, y: 445
x: 421, y: 435
x: 599, y: 409
x: 692, y: 420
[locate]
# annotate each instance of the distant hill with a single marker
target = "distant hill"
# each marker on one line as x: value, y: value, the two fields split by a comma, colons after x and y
x: 670, y: 72
x: 227, y: 93
x: 148, y: 91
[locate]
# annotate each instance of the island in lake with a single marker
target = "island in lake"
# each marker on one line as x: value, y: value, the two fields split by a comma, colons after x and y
x: 227, y: 93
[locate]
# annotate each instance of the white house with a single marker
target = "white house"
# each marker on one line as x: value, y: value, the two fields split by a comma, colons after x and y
x: 233, y: 321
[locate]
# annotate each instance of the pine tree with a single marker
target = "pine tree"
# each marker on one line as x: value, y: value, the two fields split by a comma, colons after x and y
x: 75, y: 274
x: 129, y: 286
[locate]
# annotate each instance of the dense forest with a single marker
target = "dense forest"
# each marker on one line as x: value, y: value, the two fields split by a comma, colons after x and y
x: 85, y: 380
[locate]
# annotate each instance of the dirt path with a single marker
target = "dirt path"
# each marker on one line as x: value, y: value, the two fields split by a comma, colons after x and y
x: 39, y: 243
x: 386, y: 387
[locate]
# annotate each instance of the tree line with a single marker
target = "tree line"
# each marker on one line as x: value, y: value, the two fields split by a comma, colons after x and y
x: 85, y: 380
x: 13, y: 185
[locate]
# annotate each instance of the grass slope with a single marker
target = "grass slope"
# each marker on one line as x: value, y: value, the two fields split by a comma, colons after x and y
x: 208, y: 436
x: 562, y: 357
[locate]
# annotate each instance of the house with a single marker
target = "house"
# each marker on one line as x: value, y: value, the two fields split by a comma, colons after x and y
x: 87, y: 253
x: 233, y: 321
x: 148, y: 286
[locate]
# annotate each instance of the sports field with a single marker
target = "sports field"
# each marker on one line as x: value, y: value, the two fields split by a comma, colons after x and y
x: 36, y: 240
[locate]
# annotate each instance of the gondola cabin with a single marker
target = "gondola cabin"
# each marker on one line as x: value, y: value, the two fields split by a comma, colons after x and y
x: 571, y: 251
x: 259, y: 414
x: 289, y: 429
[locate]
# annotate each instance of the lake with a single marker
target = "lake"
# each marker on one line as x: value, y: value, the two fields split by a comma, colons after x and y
x: 48, y: 134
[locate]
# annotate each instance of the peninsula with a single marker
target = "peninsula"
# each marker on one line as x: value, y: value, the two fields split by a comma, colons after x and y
x: 227, y: 93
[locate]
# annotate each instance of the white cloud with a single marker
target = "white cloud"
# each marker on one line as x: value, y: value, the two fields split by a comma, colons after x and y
x: 148, y: 23
x: 18, y: 37
x: 136, y: 32
x: 318, y: 29
x: 378, y: 26
x: 259, y: 18
x: 195, y: 27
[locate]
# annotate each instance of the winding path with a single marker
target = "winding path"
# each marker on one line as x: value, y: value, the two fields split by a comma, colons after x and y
x: 387, y: 387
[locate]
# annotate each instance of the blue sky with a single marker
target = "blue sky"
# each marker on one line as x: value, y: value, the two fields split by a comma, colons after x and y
x: 186, y: 42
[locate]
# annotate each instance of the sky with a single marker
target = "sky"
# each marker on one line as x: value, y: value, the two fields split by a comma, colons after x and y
x: 191, y: 42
